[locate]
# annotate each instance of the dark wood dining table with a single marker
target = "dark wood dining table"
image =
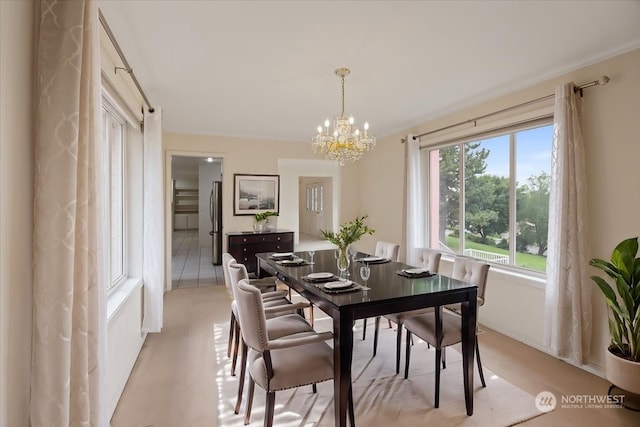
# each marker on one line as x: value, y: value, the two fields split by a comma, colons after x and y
x: 388, y: 292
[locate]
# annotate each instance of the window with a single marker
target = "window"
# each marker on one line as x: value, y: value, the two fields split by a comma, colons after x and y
x: 315, y: 197
x: 113, y: 128
x: 493, y: 196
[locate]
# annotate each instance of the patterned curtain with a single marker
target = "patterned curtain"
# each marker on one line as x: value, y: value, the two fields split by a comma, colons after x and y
x: 568, y: 301
x: 69, y: 339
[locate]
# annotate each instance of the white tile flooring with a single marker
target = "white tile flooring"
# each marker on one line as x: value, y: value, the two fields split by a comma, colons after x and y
x: 191, y: 265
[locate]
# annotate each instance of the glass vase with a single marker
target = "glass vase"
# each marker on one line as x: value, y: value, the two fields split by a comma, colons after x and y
x: 343, y: 261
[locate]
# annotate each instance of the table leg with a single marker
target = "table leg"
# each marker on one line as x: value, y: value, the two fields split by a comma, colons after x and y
x: 469, y: 313
x: 342, y: 357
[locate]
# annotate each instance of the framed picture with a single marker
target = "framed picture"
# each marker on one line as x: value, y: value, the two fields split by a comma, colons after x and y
x: 254, y: 194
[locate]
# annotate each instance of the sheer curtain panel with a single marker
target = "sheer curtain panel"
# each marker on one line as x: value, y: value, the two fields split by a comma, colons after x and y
x: 153, y: 258
x: 69, y: 338
x: 568, y: 306
x: 415, y: 221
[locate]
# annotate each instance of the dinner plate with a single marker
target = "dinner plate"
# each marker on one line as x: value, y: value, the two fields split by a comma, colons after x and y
x: 371, y: 259
x: 338, y: 284
x: 415, y: 270
x: 281, y: 254
x: 320, y: 275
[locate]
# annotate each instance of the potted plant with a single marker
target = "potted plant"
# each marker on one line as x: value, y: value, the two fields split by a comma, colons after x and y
x: 623, y: 355
x: 262, y: 219
x: 349, y: 233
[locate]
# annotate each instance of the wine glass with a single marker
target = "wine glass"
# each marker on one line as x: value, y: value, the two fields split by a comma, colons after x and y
x: 365, y: 272
x: 311, y: 254
x: 352, y: 253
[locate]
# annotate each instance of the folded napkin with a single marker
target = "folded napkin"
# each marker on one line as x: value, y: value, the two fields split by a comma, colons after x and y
x: 416, y: 274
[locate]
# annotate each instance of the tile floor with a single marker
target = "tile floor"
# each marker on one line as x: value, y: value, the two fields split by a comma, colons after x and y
x: 191, y: 265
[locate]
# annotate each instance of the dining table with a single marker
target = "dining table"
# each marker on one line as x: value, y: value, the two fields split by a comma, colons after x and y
x: 388, y: 289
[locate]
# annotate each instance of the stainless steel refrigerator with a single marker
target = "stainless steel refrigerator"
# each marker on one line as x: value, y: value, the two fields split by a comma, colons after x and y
x: 215, y: 212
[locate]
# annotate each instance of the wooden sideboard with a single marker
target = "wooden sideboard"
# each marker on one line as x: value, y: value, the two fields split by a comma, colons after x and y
x: 244, y: 245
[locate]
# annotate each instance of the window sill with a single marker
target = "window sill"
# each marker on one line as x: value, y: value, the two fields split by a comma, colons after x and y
x: 534, y: 280
x: 120, y: 294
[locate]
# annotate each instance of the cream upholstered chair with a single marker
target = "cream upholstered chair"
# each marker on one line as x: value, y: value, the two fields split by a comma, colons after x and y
x: 424, y: 326
x: 280, y: 364
x: 264, y: 284
x: 386, y: 250
x: 430, y: 260
x: 281, y: 321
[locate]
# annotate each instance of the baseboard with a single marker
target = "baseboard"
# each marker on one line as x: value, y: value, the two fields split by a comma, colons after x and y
x: 590, y: 367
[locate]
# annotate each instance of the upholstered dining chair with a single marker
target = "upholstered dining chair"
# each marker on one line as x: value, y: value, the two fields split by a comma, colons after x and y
x: 282, y: 321
x: 428, y: 259
x: 424, y: 325
x: 265, y: 285
x: 386, y: 250
x: 278, y: 364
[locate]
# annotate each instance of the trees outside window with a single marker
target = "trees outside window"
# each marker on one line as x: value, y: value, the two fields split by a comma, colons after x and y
x: 498, y: 187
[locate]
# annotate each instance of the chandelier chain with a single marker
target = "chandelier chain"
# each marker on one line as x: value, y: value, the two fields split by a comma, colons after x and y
x: 342, y: 98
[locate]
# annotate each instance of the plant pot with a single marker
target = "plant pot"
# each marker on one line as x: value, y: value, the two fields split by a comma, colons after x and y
x: 622, y: 373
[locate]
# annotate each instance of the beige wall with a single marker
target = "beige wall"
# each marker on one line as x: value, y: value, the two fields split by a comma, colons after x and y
x: 287, y: 159
x: 611, y: 128
x: 16, y: 207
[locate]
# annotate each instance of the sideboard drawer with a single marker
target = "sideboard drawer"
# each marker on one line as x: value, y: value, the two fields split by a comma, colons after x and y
x: 244, y: 246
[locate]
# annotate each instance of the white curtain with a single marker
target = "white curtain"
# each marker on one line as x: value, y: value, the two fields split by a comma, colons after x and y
x: 415, y: 213
x: 69, y: 338
x: 568, y: 307
x: 153, y: 258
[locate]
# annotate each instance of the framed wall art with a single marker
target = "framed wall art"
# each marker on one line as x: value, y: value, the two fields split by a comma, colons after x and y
x: 254, y: 194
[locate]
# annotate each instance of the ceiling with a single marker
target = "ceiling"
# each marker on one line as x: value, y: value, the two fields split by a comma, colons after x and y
x: 265, y: 69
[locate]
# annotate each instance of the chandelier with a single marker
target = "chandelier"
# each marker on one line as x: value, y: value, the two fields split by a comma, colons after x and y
x: 345, y: 143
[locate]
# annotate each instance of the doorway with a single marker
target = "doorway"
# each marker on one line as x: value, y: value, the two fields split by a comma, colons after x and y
x: 190, y: 260
x: 315, y: 210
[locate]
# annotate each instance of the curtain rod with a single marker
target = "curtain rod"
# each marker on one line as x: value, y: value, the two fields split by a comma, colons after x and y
x: 127, y: 68
x: 600, y: 82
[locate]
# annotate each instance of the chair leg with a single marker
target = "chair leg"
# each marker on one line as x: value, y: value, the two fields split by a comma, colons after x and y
x: 247, y: 414
x: 269, y: 409
x: 243, y: 370
x: 314, y: 388
x: 389, y: 322
x: 479, y: 364
x: 437, y: 397
x: 375, y: 335
x: 352, y: 414
x: 398, y: 346
x: 364, y: 328
x: 407, y: 356
x: 235, y: 350
x: 311, y: 314
x: 232, y: 325
x: 444, y: 358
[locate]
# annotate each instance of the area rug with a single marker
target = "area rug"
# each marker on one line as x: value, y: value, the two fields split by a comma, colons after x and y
x: 383, y: 398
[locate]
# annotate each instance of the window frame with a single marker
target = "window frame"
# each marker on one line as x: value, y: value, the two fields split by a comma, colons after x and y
x: 535, y: 118
x: 112, y: 113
